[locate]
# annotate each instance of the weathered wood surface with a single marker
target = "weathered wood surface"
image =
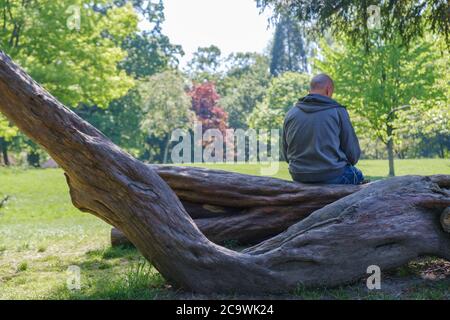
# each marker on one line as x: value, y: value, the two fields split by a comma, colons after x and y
x: 445, y: 220
x: 388, y: 223
x: 230, y: 206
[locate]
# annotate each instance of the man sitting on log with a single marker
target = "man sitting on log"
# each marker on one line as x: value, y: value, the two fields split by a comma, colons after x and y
x: 319, y: 141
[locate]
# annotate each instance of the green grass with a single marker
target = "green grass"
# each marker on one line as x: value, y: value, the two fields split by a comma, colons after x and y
x: 42, y: 234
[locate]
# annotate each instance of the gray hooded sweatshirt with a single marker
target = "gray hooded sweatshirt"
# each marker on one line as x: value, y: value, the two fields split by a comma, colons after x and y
x: 318, y: 139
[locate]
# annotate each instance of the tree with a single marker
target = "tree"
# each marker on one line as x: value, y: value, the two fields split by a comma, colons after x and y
x: 205, y: 103
x: 378, y: 84
x: 409, y: 18
x: 148, y: 52
x: 333, y: 246
x: 205, y: 64
x: 166, y: 106
x: 71, y: 47
x: 282, y: 94
x: 427, y: 122
x: 74, y: 59
x: 7, y: 132
x: 290, y: 50
x: 426, y: 127
x: 244, y: 86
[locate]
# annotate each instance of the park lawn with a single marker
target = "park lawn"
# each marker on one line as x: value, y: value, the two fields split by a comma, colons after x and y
x: 42, y: 234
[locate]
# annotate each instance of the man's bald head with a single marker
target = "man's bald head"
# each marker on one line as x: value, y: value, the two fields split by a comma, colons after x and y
x: 322, y: 84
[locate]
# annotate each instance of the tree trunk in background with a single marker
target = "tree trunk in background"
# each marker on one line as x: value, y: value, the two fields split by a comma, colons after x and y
x: 387, y: 224
x: 4, y: 151
x: 376, y: 149
x: 441, y: 149
x: 390, y: 148
x: 166, y: 150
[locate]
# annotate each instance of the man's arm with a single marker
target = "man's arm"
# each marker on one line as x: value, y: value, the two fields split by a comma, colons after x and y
x: 284, y: 145
x: 348, y: 138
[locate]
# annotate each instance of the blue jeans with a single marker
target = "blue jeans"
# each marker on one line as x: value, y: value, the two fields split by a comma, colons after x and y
x: 351, y: 175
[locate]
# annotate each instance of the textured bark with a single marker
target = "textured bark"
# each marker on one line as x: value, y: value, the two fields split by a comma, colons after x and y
x: 388, y: 223
x: 252, y: 210
x: 445, y: 220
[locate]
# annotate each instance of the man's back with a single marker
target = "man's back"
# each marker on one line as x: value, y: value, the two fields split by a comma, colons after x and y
x: 318, y: 139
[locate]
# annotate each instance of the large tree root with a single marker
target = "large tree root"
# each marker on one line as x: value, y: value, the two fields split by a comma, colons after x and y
x: 388, y: 223
x: 242, y: 208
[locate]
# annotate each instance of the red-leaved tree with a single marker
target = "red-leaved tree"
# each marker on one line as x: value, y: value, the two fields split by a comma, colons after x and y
x: 205, y: 103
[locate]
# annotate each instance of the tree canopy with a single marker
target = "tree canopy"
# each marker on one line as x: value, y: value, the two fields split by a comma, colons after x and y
x: 166, y: 106
x: 282, y: 94
x: 409, y: 19
x: 377, y: 85
x: 290, y: 50
x: 244, y: 86
x: 70, y: 47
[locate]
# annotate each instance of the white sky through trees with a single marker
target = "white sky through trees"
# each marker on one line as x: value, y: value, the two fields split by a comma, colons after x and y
x: 232, y: 25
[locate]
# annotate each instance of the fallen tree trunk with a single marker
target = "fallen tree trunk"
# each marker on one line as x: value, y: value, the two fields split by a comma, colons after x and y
x: 388, y: 223
x: 254, y: 209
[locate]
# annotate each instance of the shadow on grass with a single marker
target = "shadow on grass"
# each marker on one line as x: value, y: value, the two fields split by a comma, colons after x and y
x: 130, y: 277
x: 125, y: 252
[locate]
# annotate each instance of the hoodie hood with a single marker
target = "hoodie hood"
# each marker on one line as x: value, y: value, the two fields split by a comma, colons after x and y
x: 316, y: 102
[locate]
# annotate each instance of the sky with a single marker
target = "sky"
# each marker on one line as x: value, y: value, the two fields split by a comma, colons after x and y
x: 231, y: 25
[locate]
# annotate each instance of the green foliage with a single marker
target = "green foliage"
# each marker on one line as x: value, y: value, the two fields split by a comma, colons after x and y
x: 205, y: 104
x: 244, y: 86
x: 148, y: 52
x: 424, y: 129
x: 428, y: 121
x: 40, y: 214
x: 165, y: 103
x: 205, y: 64
x: 91, y: 67
x: 119, y: 121
x: 77, y: 65
x: 286, y: 89
x: 7, y: 131
x: 290, y: 50
x: 378, y: 85
x: 283, y: 92
x: 166, y: 106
